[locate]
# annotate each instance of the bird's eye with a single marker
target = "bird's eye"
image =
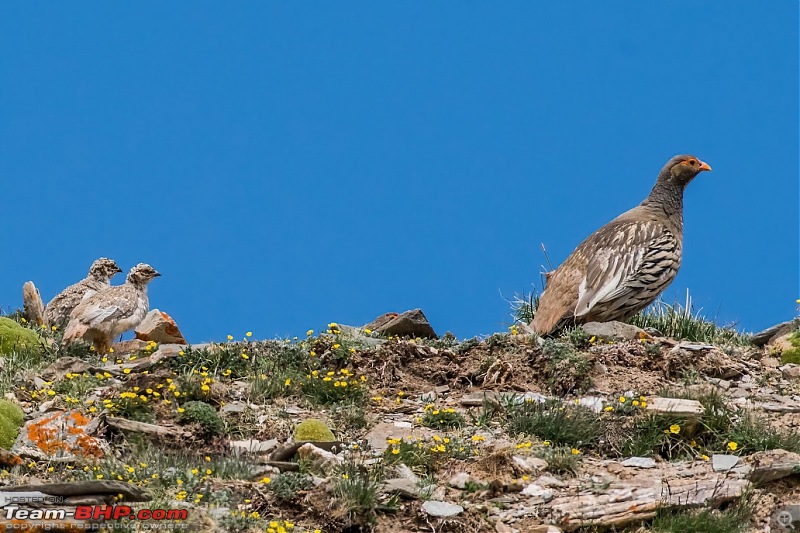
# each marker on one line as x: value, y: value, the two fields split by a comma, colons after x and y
x: 692, y: 162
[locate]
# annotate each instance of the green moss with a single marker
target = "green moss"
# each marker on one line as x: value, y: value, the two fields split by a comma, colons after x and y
x: 12, y: 411
x: 8, y: 432
x: 792, y: 355
x: 313, y: 430
x: 205, y: 415
x: 14, y: 337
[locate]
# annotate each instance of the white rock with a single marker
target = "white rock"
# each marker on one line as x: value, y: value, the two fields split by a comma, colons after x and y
x: 538, y: 491
x: 441, y: 509
x: 639, y: 462
x: 721, y: 462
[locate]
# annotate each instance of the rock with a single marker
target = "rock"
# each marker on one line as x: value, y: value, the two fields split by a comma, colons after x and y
x: 538, y: 491
x: 409, y: 324
x: 764, y: 337
x: 88, y: 488
x: 254, y: 446
x: 639, y: 462
x: 381, y: 432
x: 14, y: 337
x: 234, y: 408
x: 615, y: 331
x: 158, y: 326
x: 721, y: 462
x: 318, y: 458
x: 500, y: 527
x: 32, y: 304
x: 594, y: 403
x: 460, y: 480
x: 402, y: 486
x: 59, y: 436
x: 790, y: 371
x: 358, y: 335
x: 675, y: 406
x: 529, y: 464
x: 152, y: 430
x: 441, y: 509
x: 772, y: 465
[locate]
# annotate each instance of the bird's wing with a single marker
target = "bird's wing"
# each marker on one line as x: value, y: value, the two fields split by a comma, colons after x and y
x: 110, y: 304
x: 628, y: 256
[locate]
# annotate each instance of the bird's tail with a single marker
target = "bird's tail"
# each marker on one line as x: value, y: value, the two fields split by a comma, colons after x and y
x: 32, y: 304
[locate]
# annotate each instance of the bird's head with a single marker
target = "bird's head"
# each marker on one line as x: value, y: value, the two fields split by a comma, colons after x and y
x: 682, y: 169
x: 142, y: 274
x: 104, y: 269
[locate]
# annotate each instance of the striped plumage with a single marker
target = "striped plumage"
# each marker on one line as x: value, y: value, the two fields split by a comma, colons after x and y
x: 57, y: 311
x: 622, y: 267
x: 110, y: 312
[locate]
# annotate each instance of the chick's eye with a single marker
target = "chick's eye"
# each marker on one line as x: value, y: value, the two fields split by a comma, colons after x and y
x: 692, y: 162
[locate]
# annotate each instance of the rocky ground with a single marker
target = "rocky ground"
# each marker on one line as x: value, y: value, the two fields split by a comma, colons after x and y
x: 607, y: 428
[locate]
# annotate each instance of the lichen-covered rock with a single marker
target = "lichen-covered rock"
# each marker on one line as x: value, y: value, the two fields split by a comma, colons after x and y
x: 59, y: 435
x: 313, y: 430
x: 15, y: 337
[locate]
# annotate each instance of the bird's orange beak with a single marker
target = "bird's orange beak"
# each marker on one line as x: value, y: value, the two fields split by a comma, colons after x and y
x: 704, y: 166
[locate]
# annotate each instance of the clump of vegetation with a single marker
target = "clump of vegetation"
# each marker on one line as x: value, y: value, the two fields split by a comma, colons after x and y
x: 566, y: 370
x: 679, y: 322
x: 315, y: 430
x: 561, y: 460
x: 286, y: 486
x: 560, y: 423
x: 792, y: 355
x: 578, y: 337
x: 15, y: 337
x: 204, y: 415
x: 425, y: 456
x: 442, y: 418
x: 132, y: 405
x: 734, y: 519
x: 331, y: 387
x: 523, y: 307
x: 356, y: 488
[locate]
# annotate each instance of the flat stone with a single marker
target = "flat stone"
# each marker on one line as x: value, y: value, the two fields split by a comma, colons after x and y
x: 615, y: 331
x: 594, y: 403
x: 639, y: 462
x: 537, y: 491
x: 722, y: 462
x: 675, y: 406
x: 790, y: 371
x: 763, y: 337
x: 402, y: 486
x: 59, y: 435
x: 233, y: 408
x: 529, y: 464
x: 254, y: 446
x: 441, y: 509
x: 65, y: 365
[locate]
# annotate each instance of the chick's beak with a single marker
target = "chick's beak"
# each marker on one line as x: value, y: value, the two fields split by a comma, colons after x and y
x: 157, y: 274
x: 704, y: 166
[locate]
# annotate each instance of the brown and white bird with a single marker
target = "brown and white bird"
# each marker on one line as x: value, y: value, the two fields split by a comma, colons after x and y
x: 622, y: 267
x: 112, y: 311
x: 57, y: 311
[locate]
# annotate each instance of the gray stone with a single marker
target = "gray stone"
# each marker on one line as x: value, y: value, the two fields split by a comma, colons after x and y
x: 529, y: 464
x: 722, y: 463
x: 65, y: 365
x: 537, y: 491
x: 254, y: 446
x: 675, y: 406
x: 790, y: 371
x: 219, y: 513
x: 233, y: 408
x: 763, y: 337
x: 460, y: 480
x: 402, y: 486
x: 594, y: 403
x: 408, y: 324
x: 441, y: 509
x: 59, y: 436
x: 639, y: 462
x: 615, y: 331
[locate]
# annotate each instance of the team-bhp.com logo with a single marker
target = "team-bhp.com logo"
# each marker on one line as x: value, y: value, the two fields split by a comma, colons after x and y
x: 95, y: 512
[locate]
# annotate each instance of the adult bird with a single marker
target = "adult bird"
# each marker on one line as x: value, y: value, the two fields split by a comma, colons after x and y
x: 108, y: 313
x: 57, y: 311
x: 622, y: 267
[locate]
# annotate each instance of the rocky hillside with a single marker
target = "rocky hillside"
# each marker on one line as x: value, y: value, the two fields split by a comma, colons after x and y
x: 678, y: 426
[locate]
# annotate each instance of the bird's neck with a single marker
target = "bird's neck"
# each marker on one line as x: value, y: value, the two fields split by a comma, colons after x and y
x: 667, y: 196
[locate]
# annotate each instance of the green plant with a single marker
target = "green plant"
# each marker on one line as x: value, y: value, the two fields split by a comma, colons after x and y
x: 561, y: 460
x: 330, y: 387
x: 523, y: 307
x: 15, y: 337
x: 12, y: 411
x: 356, y: 488
x: 578, y: 337
x: 425, y: 456
x: 204, y: 415
x: 680, y: 322
x: 441, y: 418
x: 286, y: 486
x: 555, y: 421
x: 132, y: 405
x: 566, y: 370
x: 792, y: 355
x: 734, y: 519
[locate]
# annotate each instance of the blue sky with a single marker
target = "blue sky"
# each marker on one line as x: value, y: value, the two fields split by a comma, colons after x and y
x: 285, y: 165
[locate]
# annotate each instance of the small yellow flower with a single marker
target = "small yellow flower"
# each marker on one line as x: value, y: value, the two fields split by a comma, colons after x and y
x: 732, y: 446
x: 265, y: 480
x: 249, y: 334
x: 126, y: 371
x: 230, y: 337
x: 181, y: 409
x: 288, y: 382
x: 576, y: 451
x: 245, y: 356
x: 546, y: 443
x: 368, y: 331
x: 635, y: 403
x: 704, y: 457
x: 622, y: 399
x: 675, y: 429
x: 608, y: 408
